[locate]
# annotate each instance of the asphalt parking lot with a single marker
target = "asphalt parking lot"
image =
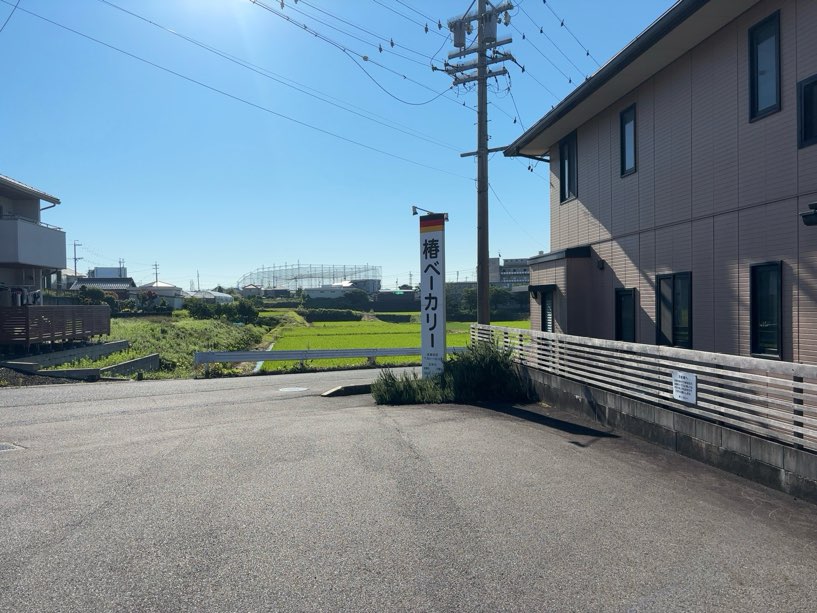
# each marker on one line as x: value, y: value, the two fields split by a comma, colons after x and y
x: 257, y: 494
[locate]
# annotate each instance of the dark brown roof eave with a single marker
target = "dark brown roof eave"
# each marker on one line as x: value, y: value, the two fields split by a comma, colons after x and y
x: 673, y: 17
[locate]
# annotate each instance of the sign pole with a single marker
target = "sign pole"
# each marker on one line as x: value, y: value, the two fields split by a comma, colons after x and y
x: 432, y: 292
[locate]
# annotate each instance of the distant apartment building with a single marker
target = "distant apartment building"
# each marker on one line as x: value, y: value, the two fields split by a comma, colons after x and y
x: 678, y: 173
x: 508, y: 273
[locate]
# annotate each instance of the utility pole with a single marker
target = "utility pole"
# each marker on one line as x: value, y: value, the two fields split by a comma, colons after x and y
x: 76, y: 244
x: 156, y: 271
x: 486, y: 19
x: 121, y: 267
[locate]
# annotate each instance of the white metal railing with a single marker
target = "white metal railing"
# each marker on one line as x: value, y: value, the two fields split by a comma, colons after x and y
x: 770, y: 398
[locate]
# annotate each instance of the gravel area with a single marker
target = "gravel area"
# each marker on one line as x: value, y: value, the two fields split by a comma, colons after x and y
x: 14, y: 378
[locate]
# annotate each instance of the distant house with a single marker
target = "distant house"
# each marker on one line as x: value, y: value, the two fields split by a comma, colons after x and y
x: 335, y: 290
x: 121, y: 287
x: 252, y: 290
x: 30, y: 253
x: 172, y: 295
x: 210, y: 296
x: 679, y: 173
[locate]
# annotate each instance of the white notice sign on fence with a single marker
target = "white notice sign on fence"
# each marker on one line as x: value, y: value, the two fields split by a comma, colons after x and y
x: 684, y: 386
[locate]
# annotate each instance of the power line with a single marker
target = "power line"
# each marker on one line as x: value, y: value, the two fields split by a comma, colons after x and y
x: 521, y: 227
x: 411, y: 8
x: 375, y: 81
x: 3, y: 27
x: 406, y: 17
x: 550, y: 61
x: 387, y: 40
x: 341, y: 47
x: 542, y: 85
x: 240, y: 99
x: 551, y: 41
x: 518, y: 114
x: 563, y: 25
x: 323, y: 97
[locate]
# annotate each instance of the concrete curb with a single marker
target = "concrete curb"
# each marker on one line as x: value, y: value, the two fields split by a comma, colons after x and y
x: 348, y: 390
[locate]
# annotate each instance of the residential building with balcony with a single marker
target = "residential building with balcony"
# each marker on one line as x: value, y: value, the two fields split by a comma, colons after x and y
x: 678, y: 173
x: 30, y: 251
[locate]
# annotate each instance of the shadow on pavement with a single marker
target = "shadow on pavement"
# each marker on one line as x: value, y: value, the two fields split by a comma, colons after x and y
x: 550, y: 422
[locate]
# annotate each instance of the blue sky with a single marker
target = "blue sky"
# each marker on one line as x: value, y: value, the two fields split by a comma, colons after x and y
x: 153, y: 166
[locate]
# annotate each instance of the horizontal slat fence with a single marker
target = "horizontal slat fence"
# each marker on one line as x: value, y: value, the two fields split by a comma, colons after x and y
x: 773, y: 399
x: 27, y: 325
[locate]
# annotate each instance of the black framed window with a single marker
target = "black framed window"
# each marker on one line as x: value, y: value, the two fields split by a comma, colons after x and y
x: 627, y: 138
x: 547, y: 311
x: 766, y: 297
x: 807, y: 112
x: 764, y: 67
x: 674, y: 311
x: 625, y: 315
x: 568, y: 163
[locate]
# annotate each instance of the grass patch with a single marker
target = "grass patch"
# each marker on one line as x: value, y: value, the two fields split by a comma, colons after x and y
x: 175, y: 340
x: 365, y: 334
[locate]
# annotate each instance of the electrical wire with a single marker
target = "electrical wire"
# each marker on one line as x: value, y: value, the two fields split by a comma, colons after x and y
x: 240, y: 99
x: 299, y: 87
x: 387, y: 40
x: 550, y: 61
x: 563, y: 25
x: 411, y: 8
x: 414, y: 21
x: 429, y: 101
x: 551, y: 41
x: 345, y: 49
x: 502, y: 204
x: 518, y: 114
x: 5, y: 23
x: 526, y: 72
x: 379, y: 46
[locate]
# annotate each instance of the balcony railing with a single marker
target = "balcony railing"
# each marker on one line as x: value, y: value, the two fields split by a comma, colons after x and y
x: 29, y: 242
x: 29, y: 325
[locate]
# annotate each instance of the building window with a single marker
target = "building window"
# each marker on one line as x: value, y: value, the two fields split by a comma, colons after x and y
x: 627, y: 136
x: 674, y: 313
x: 625, y: 315
x: 547, y: 311
x: 568, y: 162
x: 807, y: 112
x: 766, y: 297
x: 764, y: 67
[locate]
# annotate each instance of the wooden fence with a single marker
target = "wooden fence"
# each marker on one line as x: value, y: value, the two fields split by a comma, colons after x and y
x: 769, y: 398
x: 28, y: 325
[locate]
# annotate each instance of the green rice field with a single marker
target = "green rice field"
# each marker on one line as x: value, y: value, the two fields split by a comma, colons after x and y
x: 364, y: 335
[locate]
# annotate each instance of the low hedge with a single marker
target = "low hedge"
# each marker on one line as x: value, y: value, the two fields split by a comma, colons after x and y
x: 313, y: 315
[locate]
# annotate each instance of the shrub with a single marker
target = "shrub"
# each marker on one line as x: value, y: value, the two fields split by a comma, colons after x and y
x: 484, y: 372
x: 408, y: 388
x: 312, y: 315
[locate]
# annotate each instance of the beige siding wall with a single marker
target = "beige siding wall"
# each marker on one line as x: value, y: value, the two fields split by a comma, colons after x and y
x: 713, y: 193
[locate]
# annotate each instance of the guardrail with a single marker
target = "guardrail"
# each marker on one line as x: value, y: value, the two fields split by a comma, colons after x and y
x: 301, y: 355
x: 772, y: 399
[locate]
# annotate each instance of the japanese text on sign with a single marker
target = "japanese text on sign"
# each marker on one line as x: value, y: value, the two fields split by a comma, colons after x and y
x: 432, y: 293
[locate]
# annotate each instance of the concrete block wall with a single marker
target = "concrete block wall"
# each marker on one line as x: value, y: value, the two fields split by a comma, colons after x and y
x: 764, y: 461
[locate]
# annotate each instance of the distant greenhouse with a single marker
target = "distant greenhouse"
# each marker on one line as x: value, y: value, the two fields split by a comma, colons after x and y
x: 301, y: 276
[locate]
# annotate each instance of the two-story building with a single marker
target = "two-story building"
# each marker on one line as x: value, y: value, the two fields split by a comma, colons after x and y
x: 30, y: 251
x: 679, y: 171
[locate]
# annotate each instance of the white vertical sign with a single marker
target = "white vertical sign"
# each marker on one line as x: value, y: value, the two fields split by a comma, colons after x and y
x: 432, y: 292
